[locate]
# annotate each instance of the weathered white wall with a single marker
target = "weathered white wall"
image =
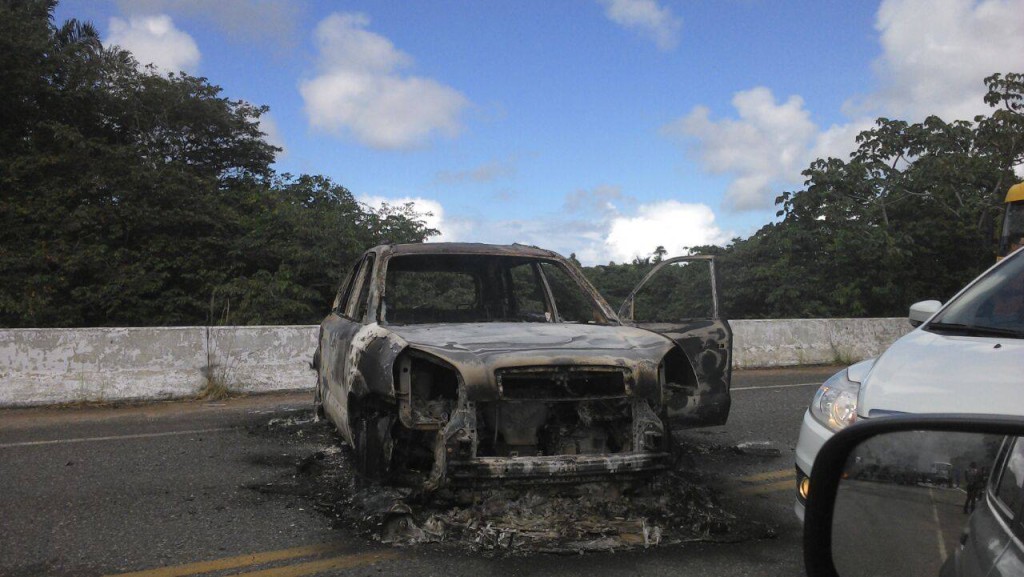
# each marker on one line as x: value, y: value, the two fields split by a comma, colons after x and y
x: 779, y: 343
x: 260, y: 359
x: 46, y: 366
x: 40, y: 366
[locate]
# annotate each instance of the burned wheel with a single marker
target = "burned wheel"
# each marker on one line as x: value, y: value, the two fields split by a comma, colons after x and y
x: 318, y: 401
x: 374, y: 445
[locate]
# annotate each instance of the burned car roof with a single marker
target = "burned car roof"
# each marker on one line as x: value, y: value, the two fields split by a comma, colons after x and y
x: 427, y: 248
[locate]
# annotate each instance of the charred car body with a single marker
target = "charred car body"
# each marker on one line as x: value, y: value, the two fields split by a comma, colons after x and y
x: 449, y: 362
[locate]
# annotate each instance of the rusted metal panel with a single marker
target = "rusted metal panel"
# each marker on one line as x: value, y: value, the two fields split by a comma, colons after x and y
x: 477, y: 350
x: 708, y: 347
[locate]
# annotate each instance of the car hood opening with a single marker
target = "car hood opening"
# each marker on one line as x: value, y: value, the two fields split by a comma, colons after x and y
x: 477, y: 350
x: 488, y: 339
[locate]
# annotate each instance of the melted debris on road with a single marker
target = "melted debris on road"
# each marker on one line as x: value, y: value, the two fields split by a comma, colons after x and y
x: 678, y: 506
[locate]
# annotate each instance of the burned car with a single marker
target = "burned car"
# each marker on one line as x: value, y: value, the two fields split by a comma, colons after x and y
x: 455, y: 362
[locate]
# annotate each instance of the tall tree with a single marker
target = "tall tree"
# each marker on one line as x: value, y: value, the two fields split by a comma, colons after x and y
x: 911, y: 215
x: 133, y: 198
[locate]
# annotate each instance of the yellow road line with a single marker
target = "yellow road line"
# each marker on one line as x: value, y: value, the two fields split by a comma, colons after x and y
x: 769, y: 475
x: 314, y: 567
x: 770, y: 488
x: 233, y: 562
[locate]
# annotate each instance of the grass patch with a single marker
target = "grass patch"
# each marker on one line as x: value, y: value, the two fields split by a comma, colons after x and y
x: 844, y: 358
x: 214, y: 390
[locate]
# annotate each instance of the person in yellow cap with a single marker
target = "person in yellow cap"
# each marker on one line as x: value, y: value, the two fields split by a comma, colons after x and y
x: 1012, y: 236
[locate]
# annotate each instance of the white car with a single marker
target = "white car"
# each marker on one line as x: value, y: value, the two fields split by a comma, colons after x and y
x: 964, y: 357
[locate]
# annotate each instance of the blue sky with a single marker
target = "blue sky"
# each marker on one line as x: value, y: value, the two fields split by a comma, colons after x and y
x: 599, y: 127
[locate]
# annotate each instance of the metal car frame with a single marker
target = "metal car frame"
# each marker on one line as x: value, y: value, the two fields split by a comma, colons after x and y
x: 364, y: 384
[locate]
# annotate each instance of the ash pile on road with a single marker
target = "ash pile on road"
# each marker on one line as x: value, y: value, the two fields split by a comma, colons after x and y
x: 675, y: 507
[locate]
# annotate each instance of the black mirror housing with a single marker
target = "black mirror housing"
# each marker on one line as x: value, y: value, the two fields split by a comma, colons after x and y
x: 831, y: 461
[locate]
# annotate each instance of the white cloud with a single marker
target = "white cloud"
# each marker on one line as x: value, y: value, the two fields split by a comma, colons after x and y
x: 616, y: 236
x: 563, y: 235
x: 934, y: 59
x: 839, y: 140
x: 272, y: 134
x: 935, y: 55
x: 359, y: 91
x: 155, y: 40
x: 669, y: 223
x: 646, y: 17
x: 432, y: 213
x: 770, y: 143
x: 613, y: 235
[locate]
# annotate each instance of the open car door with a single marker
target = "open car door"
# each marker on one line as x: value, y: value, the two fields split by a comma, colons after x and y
x: 679, y: 299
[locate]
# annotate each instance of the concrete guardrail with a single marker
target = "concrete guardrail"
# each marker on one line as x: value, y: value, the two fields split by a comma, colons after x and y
x: 51, y: 366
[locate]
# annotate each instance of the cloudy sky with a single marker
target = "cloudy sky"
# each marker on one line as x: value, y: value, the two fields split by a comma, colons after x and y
x: 599, y: 127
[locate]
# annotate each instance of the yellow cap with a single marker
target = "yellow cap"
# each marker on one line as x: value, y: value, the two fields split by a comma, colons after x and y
x: 1015, y: 193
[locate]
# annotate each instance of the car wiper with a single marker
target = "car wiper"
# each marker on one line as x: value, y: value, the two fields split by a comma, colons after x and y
x: 975, y: 330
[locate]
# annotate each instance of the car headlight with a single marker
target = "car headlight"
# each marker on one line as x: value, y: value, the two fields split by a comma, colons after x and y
x: 835, y: 403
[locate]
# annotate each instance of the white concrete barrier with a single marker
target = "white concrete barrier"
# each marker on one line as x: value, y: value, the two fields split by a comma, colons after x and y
x: 779, y: 343
x: 50, y: 366
x: 260, y: 359
x: 43, y: 366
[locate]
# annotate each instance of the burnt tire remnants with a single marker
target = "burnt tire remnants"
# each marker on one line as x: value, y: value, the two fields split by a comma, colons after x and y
x: 681, y: 506
x: 318, y: 402
x: 374, y: 445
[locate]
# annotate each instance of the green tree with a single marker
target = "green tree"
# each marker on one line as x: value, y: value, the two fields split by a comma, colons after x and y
x: 133, y: 198
x: 911, y: 215
x: 296, y: 244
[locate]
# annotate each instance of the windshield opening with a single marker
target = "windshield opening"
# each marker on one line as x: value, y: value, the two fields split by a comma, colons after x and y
x: 422, y: 289
x: 995, y: 303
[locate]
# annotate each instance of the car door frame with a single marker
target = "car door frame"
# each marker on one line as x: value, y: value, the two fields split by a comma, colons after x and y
x: 1012, y: 552
x: 707, y: 345
x: 336, y: 334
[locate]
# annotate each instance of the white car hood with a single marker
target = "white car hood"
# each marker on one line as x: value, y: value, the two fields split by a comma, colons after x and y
x: 924, y: 372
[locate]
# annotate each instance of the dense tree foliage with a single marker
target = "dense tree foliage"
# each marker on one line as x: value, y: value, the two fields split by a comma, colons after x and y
x: 128, y: 197
x: 133, y: 198
x: 912, y: 215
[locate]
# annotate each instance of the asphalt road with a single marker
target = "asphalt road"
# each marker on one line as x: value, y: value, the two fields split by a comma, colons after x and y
x: 212, y: 489
x: 909, y: 530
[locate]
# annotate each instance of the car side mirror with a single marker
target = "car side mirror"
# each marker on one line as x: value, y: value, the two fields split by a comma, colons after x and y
x: 912, y: 495
x: 922, y: 311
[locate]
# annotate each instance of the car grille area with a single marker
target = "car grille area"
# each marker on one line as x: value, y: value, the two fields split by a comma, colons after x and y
x: 561, y: 410
x: 562, y: 383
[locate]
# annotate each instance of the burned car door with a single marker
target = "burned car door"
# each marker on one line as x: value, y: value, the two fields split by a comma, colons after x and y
x: 678, y: 298
x: 336, y: 333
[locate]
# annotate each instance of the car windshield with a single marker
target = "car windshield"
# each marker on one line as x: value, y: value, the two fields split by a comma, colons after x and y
x: 483, y: 288
x: 993, y: 306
